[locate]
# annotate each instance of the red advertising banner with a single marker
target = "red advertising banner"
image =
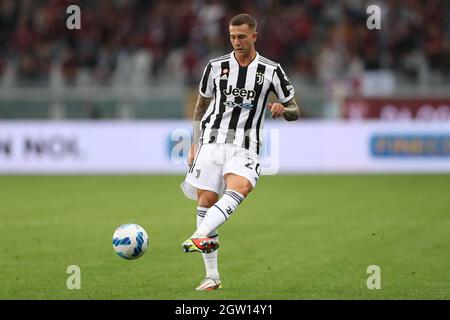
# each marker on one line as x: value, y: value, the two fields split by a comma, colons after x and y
x: 396, y: 109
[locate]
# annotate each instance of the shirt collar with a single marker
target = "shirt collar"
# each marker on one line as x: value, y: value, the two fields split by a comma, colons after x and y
x: 237, y: 62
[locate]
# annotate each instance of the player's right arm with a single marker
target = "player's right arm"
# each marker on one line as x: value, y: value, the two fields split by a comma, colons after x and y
x: 200, y: 109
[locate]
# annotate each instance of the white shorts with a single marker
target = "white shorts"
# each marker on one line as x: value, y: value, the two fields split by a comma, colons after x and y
x: 213, y: 161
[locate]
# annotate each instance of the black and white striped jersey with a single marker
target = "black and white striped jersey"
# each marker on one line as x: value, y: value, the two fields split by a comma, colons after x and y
x: 239, y: 97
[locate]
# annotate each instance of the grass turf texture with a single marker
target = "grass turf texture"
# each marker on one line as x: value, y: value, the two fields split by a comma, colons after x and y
x: 295, y: 237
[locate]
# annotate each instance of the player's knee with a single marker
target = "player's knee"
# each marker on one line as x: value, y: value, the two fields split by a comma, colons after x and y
x: 244, y: 188
x: 207, y: 199
x: 238, y: 184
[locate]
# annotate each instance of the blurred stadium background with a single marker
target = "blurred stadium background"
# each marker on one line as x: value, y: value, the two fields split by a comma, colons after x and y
x: 109, y: 98
x: 143, y: 59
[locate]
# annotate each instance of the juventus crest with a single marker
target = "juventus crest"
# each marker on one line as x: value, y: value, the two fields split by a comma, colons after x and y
x: 259, y: 78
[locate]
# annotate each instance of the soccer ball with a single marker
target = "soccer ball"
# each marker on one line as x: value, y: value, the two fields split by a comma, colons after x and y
x: 130, y: 241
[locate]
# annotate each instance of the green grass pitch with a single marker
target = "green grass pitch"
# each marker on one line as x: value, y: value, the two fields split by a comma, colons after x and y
x: 294, y: 237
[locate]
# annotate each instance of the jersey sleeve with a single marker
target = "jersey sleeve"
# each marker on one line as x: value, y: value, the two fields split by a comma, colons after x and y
x: 282, y: 86
x: 206, y: 83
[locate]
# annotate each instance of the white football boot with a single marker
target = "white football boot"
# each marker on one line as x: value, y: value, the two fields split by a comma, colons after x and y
x: 209, y: 285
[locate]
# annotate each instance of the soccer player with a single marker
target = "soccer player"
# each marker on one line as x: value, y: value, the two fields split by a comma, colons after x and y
x: 228, y: 119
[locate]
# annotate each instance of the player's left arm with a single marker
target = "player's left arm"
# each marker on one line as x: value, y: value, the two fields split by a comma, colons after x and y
x: 289, y: 110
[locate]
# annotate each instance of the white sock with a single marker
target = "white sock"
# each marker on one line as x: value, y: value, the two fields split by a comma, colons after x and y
x: 211, y: 265
x: 210, y: 259
x: 218, y: 213
x: 201, y: 212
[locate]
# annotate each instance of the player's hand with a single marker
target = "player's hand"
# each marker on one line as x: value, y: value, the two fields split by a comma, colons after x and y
x: 191, y: 154
x: 277, y: 109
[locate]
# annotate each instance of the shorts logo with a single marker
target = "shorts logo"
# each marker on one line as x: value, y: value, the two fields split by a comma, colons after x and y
x: 198, y: 173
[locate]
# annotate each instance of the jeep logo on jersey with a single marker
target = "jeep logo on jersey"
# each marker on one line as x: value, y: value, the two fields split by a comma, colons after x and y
x: 243, y: 93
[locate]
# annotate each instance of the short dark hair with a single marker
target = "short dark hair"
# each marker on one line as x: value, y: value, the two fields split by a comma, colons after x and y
x: 244, y: 18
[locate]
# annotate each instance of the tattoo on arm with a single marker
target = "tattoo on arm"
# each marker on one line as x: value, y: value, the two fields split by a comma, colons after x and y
x: 292, y: 112
x: 200, y: 109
